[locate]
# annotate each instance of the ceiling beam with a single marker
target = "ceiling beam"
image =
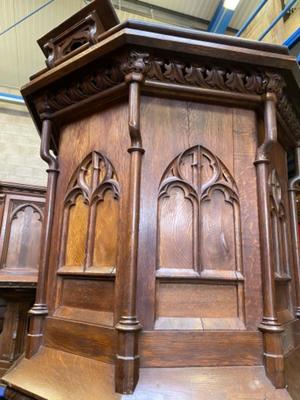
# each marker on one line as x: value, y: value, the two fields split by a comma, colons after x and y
x: 25, y: 17
x: 221, y: 19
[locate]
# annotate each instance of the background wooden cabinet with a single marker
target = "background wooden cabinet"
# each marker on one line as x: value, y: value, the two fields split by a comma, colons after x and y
x: 21, y: 210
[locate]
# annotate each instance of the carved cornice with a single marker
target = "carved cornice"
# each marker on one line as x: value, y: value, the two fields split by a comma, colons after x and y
x: 214, y: 77
x: 9, y: 187
x: 168, y: 70
x: 289, y: 116
x: 76, y: 90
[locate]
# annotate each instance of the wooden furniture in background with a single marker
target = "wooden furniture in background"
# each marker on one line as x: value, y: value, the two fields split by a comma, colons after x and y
x: 167, y: 237
x: 21, y: 217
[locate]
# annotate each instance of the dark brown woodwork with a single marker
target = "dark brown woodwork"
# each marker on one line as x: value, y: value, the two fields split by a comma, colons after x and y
x: 168, y: 236
x: 22, y: 211
x: 78, y: 32
x: 293, y: 190
x: 39, y: 310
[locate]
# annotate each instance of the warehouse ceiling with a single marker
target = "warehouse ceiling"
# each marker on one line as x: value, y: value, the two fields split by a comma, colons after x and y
x: 20, y: 56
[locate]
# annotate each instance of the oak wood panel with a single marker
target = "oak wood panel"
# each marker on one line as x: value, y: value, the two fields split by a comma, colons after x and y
x: 25, y: 235
x: 195, y: 300
x: 83, y: 339
x: 77, y: 234
x: 170, y: 349
x: 66, y: 370
x: 204, y: 125
x: 174, y: 217
x: 20, y: 232
x: 245, y: 142
x: 21, y: 215
x: 106, y: 232
x: 188, y: 383
x: 85, y: 134
x: 90, y: 294
x: 92, y: 300
x: 218, y: 238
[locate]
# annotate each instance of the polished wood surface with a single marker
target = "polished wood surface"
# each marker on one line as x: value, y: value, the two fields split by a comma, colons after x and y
x: 154, y: 383
x: 167, y: 233
x: 21, y: 211
x: 21, y: 222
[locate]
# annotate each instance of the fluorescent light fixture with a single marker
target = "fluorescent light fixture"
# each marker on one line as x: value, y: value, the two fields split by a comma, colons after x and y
x: 231, y: 4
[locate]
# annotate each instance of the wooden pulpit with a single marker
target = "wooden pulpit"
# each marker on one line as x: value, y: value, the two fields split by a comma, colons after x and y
x: 170, y: 256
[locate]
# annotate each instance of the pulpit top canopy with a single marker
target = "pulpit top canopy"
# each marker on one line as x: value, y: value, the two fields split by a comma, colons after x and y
x: 89, y: 56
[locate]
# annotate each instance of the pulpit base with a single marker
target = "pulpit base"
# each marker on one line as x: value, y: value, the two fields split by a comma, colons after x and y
x: 57, y: 375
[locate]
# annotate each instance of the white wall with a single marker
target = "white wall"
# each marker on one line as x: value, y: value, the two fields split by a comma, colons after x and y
x: 19, y: 148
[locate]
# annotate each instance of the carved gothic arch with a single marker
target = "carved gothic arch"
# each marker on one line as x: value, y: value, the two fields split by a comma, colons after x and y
x: 201, y: 176
x: 93, y: 185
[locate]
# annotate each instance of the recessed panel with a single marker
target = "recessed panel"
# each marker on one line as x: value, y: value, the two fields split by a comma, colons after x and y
x: 196, y: 300
x: 87, y: 300
x: 217, y: 233
x: 77, y: 233
x: 106, y: 231
x: 175, y: 230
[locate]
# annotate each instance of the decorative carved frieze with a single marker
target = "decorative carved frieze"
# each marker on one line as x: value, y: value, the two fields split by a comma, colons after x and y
x: 93, y: 82
x: 168, y: 70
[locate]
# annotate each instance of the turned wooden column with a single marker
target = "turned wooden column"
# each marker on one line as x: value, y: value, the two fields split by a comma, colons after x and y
x: 269, y: 326
x: 293, y: 189
x: 128, y: 327
x: 40, y: 310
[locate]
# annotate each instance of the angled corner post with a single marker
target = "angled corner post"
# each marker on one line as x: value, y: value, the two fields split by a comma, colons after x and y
x: 294, y: 188
x: 40, y: 310
x: 128, y: 327
x: 271, y: 328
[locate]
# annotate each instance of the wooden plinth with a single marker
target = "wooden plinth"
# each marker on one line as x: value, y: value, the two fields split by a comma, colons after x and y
x: 96, y: 381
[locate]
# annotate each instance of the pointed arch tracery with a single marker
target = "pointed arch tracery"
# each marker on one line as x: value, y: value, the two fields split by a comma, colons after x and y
x: 198, y: 214
x: 90, y: 218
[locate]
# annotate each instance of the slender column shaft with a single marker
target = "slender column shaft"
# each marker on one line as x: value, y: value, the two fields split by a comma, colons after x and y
x: 40, y: 310
x: 127, y: 364
x: 273, y: 352
x: 262, y: 171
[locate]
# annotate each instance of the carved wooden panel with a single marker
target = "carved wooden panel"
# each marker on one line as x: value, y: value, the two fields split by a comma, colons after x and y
x: 87, y: 300
x: 21, y: 217
x: 90, y: 220
x: 199, y: 238
x: 25, y: 234
x: 198, y: 215
x: 21, y: 234
x: 279, y: 227
x: 281, y: 256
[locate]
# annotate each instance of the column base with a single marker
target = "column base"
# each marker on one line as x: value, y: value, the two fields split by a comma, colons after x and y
x: 274, y: 357
x: 37, y: 316
x: 127, y: 358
